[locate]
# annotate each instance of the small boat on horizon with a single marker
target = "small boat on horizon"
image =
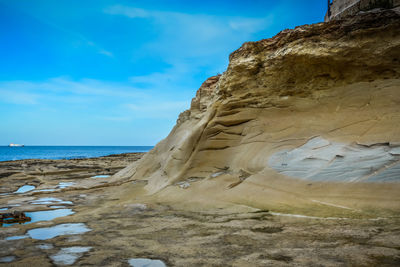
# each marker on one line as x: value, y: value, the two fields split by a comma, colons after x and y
x: 15, y: 145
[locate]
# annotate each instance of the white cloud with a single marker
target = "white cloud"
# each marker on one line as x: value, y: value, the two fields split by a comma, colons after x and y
x: 130, y: 12
x: 64, y: 90
x: 161, y: 106
x: 78, y: 39
x: 84, y: 87
x: 106, y: 53
x: 183, y: 36
x: 111, y: 118
x: 158, y: 109
x: 116, y: 101
x: 179, y: 73
x: 156, y: 78
x: 22, y: 98
x: 188, y: 43
x: 249, y: 25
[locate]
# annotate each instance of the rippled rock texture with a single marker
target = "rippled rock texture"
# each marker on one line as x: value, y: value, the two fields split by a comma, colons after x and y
x: 321, y: 160
x: 309, y: 116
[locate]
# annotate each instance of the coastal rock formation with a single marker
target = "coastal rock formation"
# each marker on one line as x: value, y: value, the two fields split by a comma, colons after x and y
x: 339, y: 9
x: 308, y: 118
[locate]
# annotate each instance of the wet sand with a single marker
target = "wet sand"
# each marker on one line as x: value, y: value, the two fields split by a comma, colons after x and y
x: 113, y: 223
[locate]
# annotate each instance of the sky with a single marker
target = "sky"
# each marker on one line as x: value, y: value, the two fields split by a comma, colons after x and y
x: 99, y: 72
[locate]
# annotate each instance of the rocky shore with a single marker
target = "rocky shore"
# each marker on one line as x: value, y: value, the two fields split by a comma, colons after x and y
x: 109, y: 224
x: 45, y: 173
x: 304, y: 122
x: 289, y: 158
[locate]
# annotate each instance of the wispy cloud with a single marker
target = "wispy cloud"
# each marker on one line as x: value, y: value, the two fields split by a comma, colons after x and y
x: 131, y: 12
x: 142, y: 62
x: 116, y: 118
x: 243, y: 24
x: 20, y: 98
x: 58, y: 86
x: 106, y: 53
x: 249, y: 25
x: 122, y: 101
x: 77, y: 39
x: 194, y: 37
x: 189, y: 44
x: 158, y: 109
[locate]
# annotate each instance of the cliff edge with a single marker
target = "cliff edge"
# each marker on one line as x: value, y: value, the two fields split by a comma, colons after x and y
x: 306, y: 121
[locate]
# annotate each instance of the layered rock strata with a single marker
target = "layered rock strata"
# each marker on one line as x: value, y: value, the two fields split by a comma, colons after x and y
x: 309, y: 116
x: 339, y: 9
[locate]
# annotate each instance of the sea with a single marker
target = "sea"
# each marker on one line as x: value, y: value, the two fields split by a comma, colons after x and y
x: 65, y: 152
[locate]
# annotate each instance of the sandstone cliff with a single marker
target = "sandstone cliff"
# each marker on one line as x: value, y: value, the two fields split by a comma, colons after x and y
x: 339, y: 9
x: 308, y: 120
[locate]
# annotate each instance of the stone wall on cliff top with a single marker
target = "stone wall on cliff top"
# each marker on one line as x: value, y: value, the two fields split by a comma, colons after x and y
x: 319, y: 104
x: 338, y: 9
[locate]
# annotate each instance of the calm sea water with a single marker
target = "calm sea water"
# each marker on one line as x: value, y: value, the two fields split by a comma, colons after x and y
x: 65, y: 152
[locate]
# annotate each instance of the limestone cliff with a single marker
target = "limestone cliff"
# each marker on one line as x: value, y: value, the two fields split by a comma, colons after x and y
x: 339, y: 9
x: 308, y: 118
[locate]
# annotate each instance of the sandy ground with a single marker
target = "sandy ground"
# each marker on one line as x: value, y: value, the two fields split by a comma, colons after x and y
x: 126, y: 224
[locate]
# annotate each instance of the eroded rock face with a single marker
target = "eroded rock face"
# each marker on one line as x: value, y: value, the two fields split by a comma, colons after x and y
x: 339, y: 9
x: 310, y: 58
x: 338, y: 81
x: 205, y: 94
x: 204, y: 97
x: 321, y: 160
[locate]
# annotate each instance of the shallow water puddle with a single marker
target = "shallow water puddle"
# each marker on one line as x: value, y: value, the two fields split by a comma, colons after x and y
x: 143, y: 262
x: 48, y: 215
x: 24, y: 189
x: 44, y: 215
x: 61, y: 229
x: 68, y: 256
x: 100, y: 176
x: 7, y: 259
x: 50, y: 201
x: 45, y: 190
x: 63, y: 185
x: 16, y: 237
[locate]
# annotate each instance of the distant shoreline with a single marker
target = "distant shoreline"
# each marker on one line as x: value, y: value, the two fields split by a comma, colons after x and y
x: 69, y: 146
x: 66, y: 152
x: 81, y: 158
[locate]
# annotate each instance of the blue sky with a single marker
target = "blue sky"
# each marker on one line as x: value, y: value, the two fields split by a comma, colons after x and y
x: 120, y: 72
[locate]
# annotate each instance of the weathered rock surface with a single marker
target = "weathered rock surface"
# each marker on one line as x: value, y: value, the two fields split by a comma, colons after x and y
x: 339, y: 9
x: 310, y: 116
x: 303, y: 126
x: 44, y: 174
x: 113, y: 223
x: 321, y: 160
